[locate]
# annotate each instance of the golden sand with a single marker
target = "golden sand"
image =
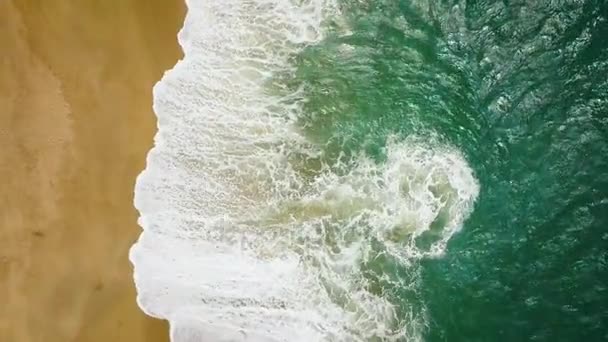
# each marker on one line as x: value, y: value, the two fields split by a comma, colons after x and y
x: 75, y: 126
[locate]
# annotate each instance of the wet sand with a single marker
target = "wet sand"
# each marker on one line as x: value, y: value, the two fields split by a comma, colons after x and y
x: 75, y: 126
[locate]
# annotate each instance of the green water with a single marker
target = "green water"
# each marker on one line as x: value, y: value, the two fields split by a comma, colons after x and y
x: 521, y: 89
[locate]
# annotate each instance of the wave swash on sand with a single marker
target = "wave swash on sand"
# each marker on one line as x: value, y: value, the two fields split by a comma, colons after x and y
x: 248, y: 233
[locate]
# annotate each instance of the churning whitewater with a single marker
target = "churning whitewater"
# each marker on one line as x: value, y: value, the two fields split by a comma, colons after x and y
x: 254, y: 229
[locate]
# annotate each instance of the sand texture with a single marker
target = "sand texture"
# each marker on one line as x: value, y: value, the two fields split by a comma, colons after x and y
x: 76, y: 122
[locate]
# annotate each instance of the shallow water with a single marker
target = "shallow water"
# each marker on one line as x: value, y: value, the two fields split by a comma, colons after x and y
x: 380, y: 171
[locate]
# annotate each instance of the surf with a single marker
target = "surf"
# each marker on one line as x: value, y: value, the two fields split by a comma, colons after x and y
x: 252, y: 230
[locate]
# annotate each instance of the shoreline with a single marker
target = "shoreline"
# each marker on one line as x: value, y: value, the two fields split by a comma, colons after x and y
x: 76, y: 88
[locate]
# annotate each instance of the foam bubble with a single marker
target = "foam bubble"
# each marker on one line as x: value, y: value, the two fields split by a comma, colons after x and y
x: 419, y: 190
x: 405, y: 207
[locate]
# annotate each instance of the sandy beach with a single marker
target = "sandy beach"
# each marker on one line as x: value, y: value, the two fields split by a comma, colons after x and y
x: 76, y: 123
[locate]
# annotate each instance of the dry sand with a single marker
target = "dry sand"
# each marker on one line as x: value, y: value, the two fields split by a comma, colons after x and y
x: 75, y: 125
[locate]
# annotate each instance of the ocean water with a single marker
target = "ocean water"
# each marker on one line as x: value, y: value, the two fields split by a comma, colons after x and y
x: 380, y: 170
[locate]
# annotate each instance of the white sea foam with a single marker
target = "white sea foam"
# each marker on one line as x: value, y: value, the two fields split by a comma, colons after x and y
x: 239, y: 242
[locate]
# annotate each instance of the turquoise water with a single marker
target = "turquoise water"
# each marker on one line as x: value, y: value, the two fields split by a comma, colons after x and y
x: 380, y: 170
x: 521, y: 89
